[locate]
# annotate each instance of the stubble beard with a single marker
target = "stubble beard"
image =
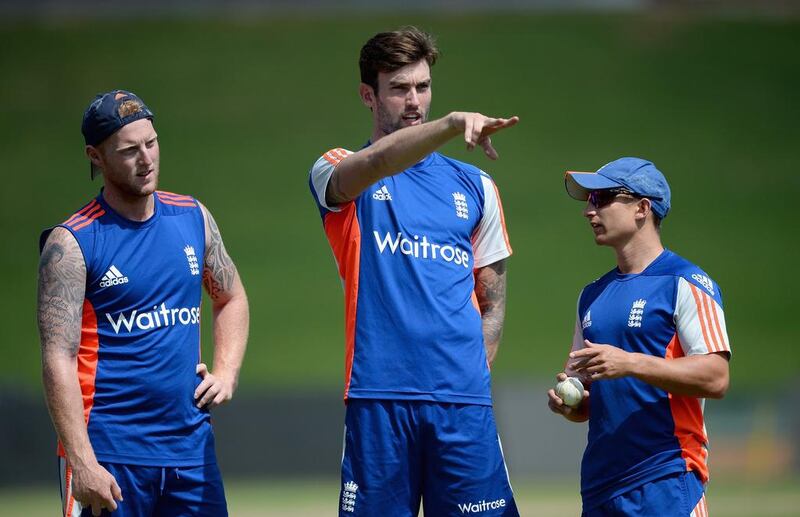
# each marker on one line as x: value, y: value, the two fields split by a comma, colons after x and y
x: 132, y: 191
x: 388, y: 124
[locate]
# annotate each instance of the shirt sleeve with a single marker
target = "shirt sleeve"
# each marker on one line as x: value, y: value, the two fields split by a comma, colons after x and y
x: 577, y: 339
x: 321, y: 174
x: 490, y: 239
x: 700, y: 321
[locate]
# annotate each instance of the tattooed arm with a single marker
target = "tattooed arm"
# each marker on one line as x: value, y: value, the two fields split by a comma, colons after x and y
x: 490, y: 289
x: 231, y: 320
x: 62, y: 284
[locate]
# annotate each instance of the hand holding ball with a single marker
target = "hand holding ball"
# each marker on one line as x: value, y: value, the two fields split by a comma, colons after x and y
x: 570, y: 391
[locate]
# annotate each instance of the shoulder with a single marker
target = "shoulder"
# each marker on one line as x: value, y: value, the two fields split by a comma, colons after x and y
x: 59, y: 237
x: 60, y: 250
x: 331, y: 158
x: 81, y: 222
x: 176, y: 203
x: 458, y: 165
x: 593, y: 289
x: 693, y: 274
x: 84, y: 218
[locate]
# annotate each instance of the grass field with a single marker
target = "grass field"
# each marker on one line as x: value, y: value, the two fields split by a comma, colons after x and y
x: 244, y: 107
x: 270, y: 498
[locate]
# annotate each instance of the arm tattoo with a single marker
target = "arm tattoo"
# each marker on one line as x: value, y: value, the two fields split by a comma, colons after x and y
x: 62, y: 285
x: 490, y: 289
x: 219, y: 271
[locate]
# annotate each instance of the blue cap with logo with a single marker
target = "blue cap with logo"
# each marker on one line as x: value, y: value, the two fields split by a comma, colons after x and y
x: 634, y: 174
x: 109, y: 112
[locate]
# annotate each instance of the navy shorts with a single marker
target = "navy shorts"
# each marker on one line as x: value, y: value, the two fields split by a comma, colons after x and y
x: 398, y: 451
x: 157, y: 492
x: 676, y: 495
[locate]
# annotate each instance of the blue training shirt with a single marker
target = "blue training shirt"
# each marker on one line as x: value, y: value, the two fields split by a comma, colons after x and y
x: 639, y: 432
x: 140, y: 335
x: 406, y: 251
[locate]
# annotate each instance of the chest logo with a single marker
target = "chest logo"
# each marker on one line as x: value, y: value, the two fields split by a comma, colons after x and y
x: 382, y: 194
x: 637, y: 312
x: 460, y: 202
x: 113, y: 277
x: 587, y: 320
x: 194, y: 267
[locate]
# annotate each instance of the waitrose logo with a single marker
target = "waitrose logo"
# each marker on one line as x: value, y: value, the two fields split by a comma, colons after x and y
x: 481, y: 506
x: 160, y: 316
x: 420, y: 248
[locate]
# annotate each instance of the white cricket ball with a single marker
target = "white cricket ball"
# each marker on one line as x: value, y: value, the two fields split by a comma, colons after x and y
x: 570, y: 391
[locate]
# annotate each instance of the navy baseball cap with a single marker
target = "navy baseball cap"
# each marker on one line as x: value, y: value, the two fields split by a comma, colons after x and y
x: 109, y: 112
x: 635, y: 174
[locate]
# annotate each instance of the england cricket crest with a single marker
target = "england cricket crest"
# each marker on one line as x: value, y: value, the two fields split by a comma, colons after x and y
x: 637, y: 313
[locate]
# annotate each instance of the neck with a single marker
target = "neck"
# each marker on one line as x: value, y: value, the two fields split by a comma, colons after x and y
x: 638, y: 252
x: 377, y: 134
x: 135, y: 208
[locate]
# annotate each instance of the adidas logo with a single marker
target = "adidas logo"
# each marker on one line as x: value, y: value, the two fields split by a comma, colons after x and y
x: 587, y: 320
x: 113, y: 277
x: 382, y: 194
x: 705, y: 282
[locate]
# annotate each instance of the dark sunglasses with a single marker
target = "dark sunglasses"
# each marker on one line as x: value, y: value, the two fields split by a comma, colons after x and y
x: 601, y: 198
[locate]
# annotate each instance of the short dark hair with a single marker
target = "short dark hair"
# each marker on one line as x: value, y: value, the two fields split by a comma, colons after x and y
x: 390, y: 51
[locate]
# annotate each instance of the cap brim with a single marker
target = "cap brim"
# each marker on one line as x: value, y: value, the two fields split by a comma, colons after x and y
x: 580, y: 184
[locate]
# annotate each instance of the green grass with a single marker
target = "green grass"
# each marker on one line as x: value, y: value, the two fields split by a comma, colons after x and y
x: 542, y: 498
x: 244, y: 107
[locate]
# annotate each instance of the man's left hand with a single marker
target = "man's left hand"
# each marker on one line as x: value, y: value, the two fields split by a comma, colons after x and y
x: 212, y: 391
x: 597, y: 361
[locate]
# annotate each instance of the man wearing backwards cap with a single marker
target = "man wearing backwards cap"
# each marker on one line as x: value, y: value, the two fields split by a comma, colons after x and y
x: 119, y: 320
x: 650, y: 345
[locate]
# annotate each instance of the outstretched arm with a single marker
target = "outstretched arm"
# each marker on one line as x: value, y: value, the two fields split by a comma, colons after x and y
x: 62, y: 284
x: 405, y: 147
x: 231, y: 316
x: 490, y: 290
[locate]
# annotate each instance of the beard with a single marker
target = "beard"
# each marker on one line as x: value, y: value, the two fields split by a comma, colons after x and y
x: 132, y: 188
x: 389, y: 123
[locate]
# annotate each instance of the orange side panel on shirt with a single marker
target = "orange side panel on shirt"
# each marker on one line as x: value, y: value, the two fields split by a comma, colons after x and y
x: 688, y: 417
x: 344, y: 235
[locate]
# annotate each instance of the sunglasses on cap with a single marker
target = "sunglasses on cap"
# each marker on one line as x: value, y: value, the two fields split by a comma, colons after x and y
x: 601, y: 198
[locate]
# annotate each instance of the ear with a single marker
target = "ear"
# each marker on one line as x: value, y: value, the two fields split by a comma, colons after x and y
x: 643, y: 208
x: 367, y: 94
x: 94, y: 155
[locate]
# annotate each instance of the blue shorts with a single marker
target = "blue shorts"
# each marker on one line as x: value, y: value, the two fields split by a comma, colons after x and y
x: 398, y: 451
x: 676, y: 495
x: 158, y: 492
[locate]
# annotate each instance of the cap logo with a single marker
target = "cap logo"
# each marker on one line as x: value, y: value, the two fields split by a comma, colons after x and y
x: 129, y: 107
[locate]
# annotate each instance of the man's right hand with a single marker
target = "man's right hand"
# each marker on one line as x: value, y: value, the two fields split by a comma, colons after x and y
x: 477, y: 129
x: 93, y: 486
x: 556, y: 405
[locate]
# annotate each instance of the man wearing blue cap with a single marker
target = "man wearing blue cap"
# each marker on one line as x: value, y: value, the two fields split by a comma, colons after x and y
x: 119, y: 319
x: 650, y: 345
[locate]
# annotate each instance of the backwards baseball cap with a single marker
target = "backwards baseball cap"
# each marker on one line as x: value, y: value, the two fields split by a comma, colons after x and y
x: 109, y: 112
x: 634, y: 174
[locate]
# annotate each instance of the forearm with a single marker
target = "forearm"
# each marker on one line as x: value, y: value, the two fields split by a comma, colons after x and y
x: 492, y: 322
x: 390, y: 155
x: 65, y: 404
x: 490, y: 290
x: 231, y: 324
x: 703, y: 376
